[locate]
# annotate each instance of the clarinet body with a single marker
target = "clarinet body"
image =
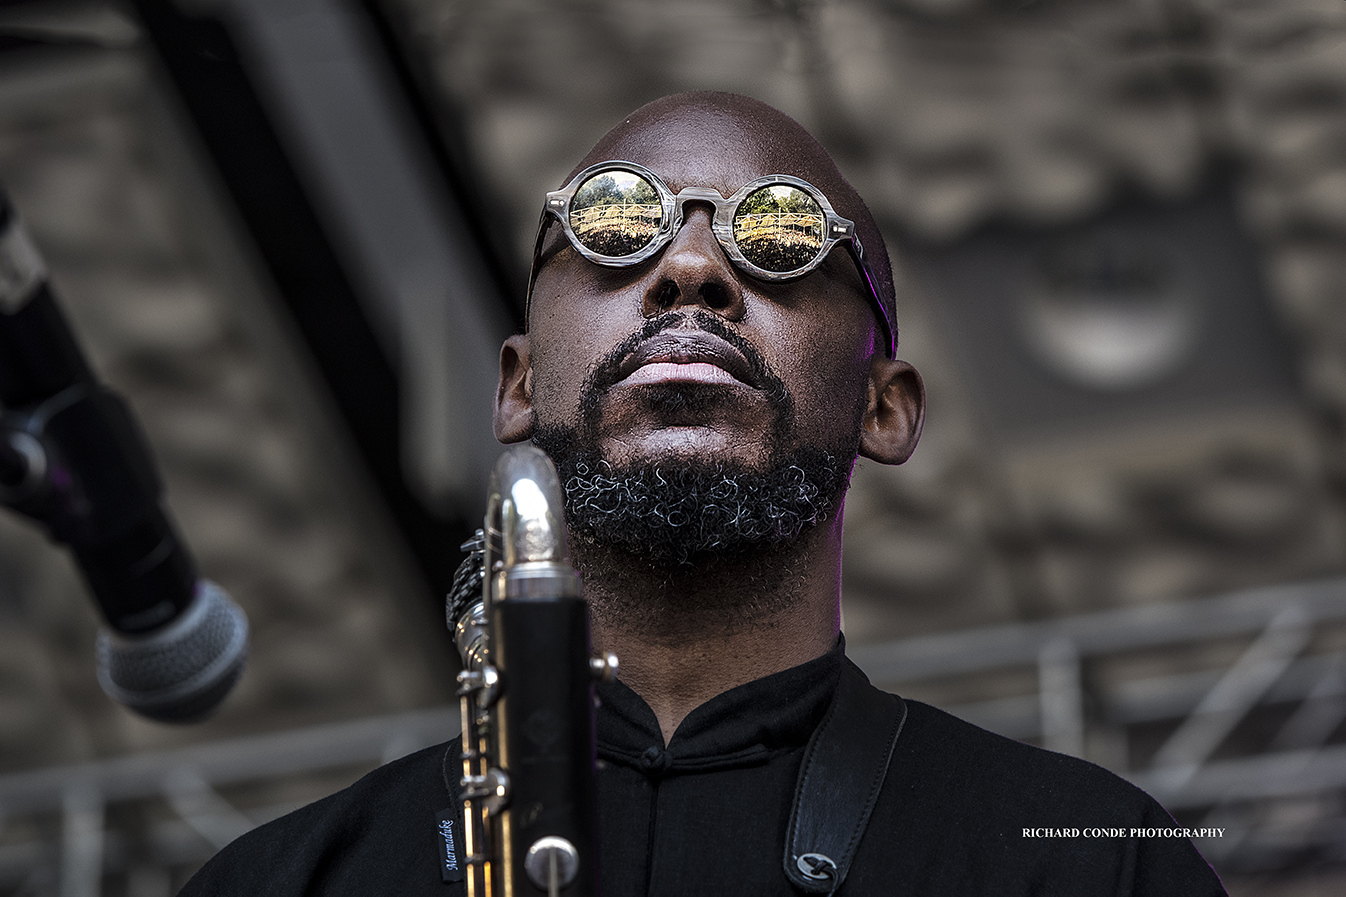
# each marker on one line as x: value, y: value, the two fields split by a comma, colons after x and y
x: 526, y: 693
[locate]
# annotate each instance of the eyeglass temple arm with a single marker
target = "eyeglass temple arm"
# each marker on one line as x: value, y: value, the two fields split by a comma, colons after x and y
x: 858, y: 254
x: 547, y: 209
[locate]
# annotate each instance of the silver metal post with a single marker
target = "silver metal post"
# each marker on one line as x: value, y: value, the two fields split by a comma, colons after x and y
x: 1061, y: 695
x: 81, y: 841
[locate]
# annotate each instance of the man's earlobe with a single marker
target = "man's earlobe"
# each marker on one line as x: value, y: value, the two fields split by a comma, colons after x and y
x: 895, y: 414
x: 514, y: 419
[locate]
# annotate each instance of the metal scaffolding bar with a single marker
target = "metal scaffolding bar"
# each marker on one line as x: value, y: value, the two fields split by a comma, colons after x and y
x: 1129, y: 629
x: 236, y: 760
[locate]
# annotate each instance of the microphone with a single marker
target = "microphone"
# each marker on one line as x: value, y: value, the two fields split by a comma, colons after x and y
x: 73, y: 458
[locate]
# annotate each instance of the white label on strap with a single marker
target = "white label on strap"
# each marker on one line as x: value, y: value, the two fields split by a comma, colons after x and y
x: 21, y: 268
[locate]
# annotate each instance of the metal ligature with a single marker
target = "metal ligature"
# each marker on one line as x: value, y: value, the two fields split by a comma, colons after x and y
x: 526, y: 691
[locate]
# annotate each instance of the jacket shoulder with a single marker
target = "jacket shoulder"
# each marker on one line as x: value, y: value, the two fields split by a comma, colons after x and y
x: 346, y: 842
x: 966, y: 811
x: 960, y: 752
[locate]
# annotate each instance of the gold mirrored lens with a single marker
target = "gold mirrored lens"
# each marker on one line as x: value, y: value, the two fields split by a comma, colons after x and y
x: 779, y: 228
x: 615, y: 213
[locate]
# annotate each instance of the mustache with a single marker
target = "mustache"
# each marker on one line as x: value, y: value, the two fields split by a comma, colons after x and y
x: 607, y: 372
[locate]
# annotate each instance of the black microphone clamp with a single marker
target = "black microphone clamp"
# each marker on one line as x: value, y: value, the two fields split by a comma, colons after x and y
x: 73, y: 458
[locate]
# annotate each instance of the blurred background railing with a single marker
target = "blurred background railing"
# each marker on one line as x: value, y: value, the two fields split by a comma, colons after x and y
x: 293, y: 232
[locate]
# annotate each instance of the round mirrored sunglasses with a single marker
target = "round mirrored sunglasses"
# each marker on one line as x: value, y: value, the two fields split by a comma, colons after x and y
x: 775, y: 228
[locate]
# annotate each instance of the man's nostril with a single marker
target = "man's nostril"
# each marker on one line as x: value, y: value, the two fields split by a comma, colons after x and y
x: 715, y: 295
x: 666, y: 294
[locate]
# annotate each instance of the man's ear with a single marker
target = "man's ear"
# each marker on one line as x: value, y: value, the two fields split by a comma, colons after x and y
x: 895, y: 414
x: 514, y: 420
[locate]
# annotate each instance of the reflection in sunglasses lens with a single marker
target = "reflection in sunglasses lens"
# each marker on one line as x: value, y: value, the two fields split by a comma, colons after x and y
x: 779, y: 228
x: 615, y: 213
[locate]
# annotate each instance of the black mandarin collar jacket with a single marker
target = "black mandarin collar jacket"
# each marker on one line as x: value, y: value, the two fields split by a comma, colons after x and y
x: 707, y: 814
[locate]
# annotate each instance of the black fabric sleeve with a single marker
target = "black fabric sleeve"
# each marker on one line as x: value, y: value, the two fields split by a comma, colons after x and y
x: 377, y: 837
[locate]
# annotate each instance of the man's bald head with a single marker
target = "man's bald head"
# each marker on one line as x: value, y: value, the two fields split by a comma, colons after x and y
x: 704, y: 419
x: 713, y: 125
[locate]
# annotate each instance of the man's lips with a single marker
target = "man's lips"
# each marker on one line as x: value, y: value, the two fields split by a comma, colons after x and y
x: 686, y: 357
x: 678, y: 372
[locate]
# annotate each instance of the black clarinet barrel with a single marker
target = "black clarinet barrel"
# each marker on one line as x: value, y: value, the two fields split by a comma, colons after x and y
x: 546, y: 738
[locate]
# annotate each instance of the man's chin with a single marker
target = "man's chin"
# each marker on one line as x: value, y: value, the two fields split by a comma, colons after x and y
x: 686, y: 446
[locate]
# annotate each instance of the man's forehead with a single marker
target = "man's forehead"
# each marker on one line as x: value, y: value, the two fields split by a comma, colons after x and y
x: 722, y: 168
x: 723, y: 146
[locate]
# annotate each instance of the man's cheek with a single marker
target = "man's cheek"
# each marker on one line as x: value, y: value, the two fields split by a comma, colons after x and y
x: 555, y: 402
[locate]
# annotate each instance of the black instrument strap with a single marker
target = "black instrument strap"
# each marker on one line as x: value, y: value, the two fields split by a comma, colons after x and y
x: 839, y: 781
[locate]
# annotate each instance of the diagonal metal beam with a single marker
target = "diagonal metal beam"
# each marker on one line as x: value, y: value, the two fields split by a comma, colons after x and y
x: 202, y: 807
x: 1259, y: 777
x: 1265, y: 660
x: 1322, y: 710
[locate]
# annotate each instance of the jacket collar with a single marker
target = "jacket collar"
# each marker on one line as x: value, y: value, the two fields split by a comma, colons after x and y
x: 745, y: 725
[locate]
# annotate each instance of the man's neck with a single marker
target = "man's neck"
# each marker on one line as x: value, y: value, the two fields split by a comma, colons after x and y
x: 684, y: 635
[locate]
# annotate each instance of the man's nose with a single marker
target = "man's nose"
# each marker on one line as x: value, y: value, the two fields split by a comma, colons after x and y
x: 693, y: 270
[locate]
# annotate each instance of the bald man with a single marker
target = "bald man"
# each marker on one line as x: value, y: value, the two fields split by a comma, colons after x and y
x: 711, y: 344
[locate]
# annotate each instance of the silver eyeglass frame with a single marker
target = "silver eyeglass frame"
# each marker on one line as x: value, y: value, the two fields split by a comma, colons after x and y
x: 836, y: 229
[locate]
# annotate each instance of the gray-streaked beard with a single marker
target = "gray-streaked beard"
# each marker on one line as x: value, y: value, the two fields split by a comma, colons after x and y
x: 665, y: 548
x: 678, y: 514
